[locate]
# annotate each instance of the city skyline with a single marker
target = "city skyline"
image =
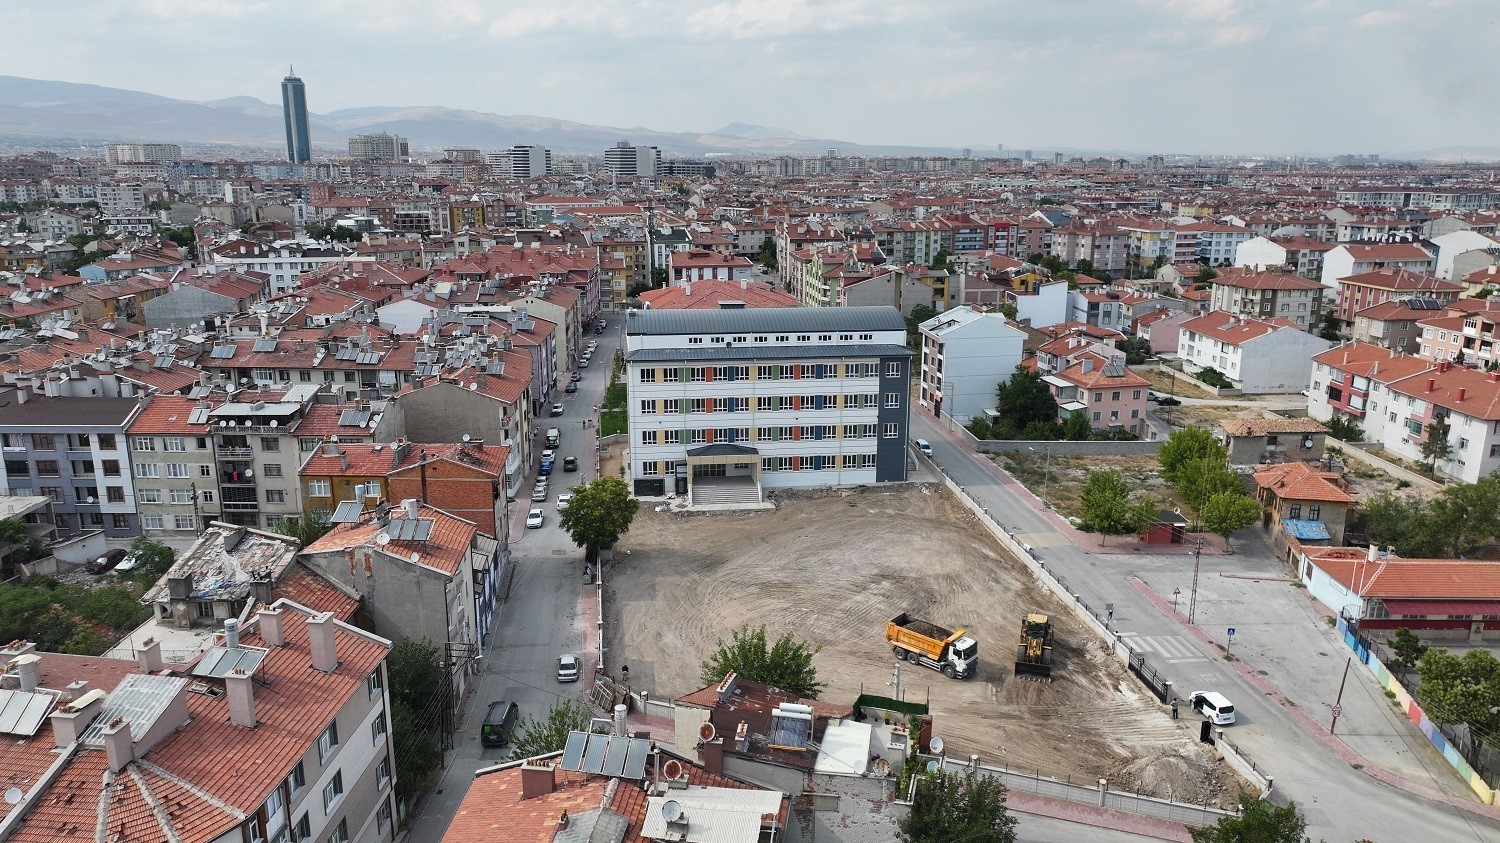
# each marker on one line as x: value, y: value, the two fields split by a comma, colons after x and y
x: 1218, y: 77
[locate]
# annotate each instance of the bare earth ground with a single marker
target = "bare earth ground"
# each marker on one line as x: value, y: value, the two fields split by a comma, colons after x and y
x: 1061, y: 478
x: 834, y: 567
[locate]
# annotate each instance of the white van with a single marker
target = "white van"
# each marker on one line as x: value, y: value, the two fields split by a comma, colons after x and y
x: 1214, y: 706
x: 553, y: 437
x: 925, y: 447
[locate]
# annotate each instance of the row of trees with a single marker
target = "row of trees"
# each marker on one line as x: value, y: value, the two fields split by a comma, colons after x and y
x: 1455, y: 521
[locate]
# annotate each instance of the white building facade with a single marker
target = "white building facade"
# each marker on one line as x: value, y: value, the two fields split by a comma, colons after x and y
x: 766, y: 398
x: 965, y: 356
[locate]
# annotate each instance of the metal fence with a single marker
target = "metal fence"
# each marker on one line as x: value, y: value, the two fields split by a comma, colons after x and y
x: 1098, y: 794
x: 1154, y: 682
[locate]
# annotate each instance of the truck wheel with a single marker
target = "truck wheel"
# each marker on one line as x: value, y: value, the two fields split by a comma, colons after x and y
x: 913, y: 658
x: 900, y: 653
x: 948, y: 671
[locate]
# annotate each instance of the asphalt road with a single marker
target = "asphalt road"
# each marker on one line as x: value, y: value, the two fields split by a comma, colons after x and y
x: 1340, y: 803
x: 540, y: 621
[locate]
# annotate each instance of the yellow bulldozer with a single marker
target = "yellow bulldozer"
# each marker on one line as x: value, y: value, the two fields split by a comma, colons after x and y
x: 1034, y: 653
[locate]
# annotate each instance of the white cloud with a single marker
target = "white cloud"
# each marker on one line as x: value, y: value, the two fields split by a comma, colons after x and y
x: 1379, y: 17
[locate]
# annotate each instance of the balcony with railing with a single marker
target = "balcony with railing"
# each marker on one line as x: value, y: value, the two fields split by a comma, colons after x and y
x: 234, y: 452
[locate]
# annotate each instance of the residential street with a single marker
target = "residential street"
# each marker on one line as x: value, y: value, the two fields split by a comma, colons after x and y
x: 540, y: 620
x: 1340, y: 802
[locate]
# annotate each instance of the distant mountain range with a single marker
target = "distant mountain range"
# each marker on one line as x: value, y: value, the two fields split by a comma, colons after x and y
x: 92, y: 114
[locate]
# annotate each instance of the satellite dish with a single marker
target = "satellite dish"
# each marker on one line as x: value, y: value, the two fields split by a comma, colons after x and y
x: 334, y: 438
x: 249, y: 472
x: 936, y: 745
x: 275, y: 423
x: 707, y: 732
x: 671, y: 810
x: 932, y: 766
x: 672, y: 770
x: 466, y: 437
x: 382, y: 539
x: 13, y: 796
x: 474, y: 386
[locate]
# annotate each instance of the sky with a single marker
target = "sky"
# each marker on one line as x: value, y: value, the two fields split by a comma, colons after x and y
x: 1271, y: 77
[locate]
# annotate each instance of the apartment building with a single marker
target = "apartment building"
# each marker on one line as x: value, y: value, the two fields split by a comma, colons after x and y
x: 175, y: 466
x: 1105, y: 390
x: 1295, y: 254
x: 282, y: 262
x: 1347, y: 259
x: 738, y: 400
x: 1401, y: 401
x: 1259, y: 356
x: 622, y: 159
x: 256, y: 443
x: 1216, y: 242
x: 705, y: 265
x: 142, y: 753
x: 1395, y: 324
x: 965, y: 355
x: 74, y: 451
x: 1268, y: 295
x: 1466, y: 339
x: 1367, y: 289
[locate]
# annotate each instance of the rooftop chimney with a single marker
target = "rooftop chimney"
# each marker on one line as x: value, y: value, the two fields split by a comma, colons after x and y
x: 238, y: 687
x: 270, y: 627
x: 622, y: 726
x: 19, y: 647
x: 70, y: 721
x: 320, y: 640
x: 726, y: 687
x: 1431, y: 384
x: 712, y: 754
x: 148, y: 656
x: 330, y: 449
x: 1463, y: 392
x: 536, y: 780
x: 742, y: 737
x: 26, y: 667
x: 232, y: 634
x: 117, y: 744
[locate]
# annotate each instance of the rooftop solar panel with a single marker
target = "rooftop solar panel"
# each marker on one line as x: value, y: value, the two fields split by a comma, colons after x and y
x: 22, y: 712
x: 347, y: 512
x: 573, y: 751
x: 593, y: 756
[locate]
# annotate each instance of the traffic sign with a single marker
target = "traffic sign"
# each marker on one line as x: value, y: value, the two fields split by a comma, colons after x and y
x: 1231, y: 632
x: 1338, y: 710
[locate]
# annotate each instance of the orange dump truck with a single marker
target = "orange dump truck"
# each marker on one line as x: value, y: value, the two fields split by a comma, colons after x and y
x: 952, y: 652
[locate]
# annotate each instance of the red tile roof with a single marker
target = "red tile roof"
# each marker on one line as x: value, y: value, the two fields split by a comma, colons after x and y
x: 1301, y: 482
x: 709, y: 294
x: 168, y: 414
x: 303, y: 585
x: 1395, y: 579
x: 1400, y: 280
x: 444, y: 549
x: 1267, y: 281
x: 494, y: 810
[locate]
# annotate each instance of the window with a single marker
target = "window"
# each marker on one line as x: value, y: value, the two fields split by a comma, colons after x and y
x: 184, y: 522
x: 1098, y: 396
x: 697, y: 374
x: 650, y: 468
x: 891, y: 431
x: 53, y: 492
x: 648, y: 437
x: 1314, y: 512
x: 698, y: 405
x: 383, y: 816
x: 648, y: 406
x: 1136, y: 395
x: 318, y: 489
x: 78, y: 441
x: 273, y: 469
x: 374, y: 684
x: 142, y: 469
x: 208, y: 497
x: 1294, y: 511
x: 893, y: 399
x: 205, y: 471
x: 106, y: 442
x: 275, y: 496
x: 270, y: 444
x: 177, y: 469
x: 1096, y: 416
x: 152, y: 522
x: 114, y: 494
x: 893, y: 370
x: 1115, y: 396
x: 48, y: 442
x: 377, y: 729
x: 328, y: 742
x: 695, y: 340
x: 383, y: 773
x: 340, y: 834
x: 174, y: 443
x: 120, y: 522
x: 82, y: 467
x: 182, y: 496
x: 111, y: 468
x: 670, y: 375
x: 648, y: 376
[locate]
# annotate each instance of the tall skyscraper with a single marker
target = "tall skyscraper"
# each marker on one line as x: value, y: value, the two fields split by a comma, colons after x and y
x: 294, y: 111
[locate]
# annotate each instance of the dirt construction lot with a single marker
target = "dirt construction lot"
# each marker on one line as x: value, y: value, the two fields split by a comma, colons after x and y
x: 833, y: 568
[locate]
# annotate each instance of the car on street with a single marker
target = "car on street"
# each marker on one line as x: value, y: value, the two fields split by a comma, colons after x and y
x: 499, y: 722
x: 584, y: 363
x: 1169, y: 401
x: 563, y: 500
x: 570, y: 463
x: 575, y: 377
x: 107, y: 561
x: 567, y: 667
x: 549, y: 454
x: 535, y: 519
x: 539, y: 494
x: 593, y: 346
x: 603, y: 324
x: 128, y: 563
x: 1214, y: 706
x: 571, y: 388
x: 557, y: 410
x: 545, y: 468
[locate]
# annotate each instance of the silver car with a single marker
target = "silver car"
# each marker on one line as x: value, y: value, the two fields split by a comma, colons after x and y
x: 567, y: 667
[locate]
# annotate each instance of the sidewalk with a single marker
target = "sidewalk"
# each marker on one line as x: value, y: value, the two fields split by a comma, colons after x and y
x: 1320, y: 730
x: 1077, y: 812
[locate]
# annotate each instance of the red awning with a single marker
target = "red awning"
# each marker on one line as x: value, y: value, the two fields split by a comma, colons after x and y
x: 1428, y: 608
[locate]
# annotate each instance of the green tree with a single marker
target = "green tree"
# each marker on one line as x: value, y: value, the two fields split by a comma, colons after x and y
x: 1330, y: 328
x: 550, y: 734
x: 1259, y: 822
x: 1402, y: 522
x: 417, y: 684
x: 787, y: 664
x: 1136, y: 349
x: 942, y: 261
x: 1207, y: 273
x: 1227, y: 512
x: 1108, y: 509
x: 1009, y: 309
x: 1076, y: 427
x: 1467, y: 514
x: 1214, y: 377
x: 1084, y: 266
x: 152, y: 560
x: 1461, y: 689
x: 919, y: 314
x: 307, y: 527
x: 660, y: 277
x: 1202, y: 478
x: 600, y: 512
x: 19, y: 545
x: 954, y: 808
x: 979, y: 427
x: 1408, y: 650
x: 1436, y: 447
x: 1345, y: 429
x: 767, y: 254
x: 1025, y: 398
x: 1186, y: 445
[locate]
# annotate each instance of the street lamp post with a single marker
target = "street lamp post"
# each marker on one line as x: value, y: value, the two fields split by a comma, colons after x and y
x: 1046, y: 470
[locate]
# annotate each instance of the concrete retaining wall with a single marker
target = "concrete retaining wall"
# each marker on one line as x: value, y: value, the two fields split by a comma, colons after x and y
x: 1356, y: 452
x: 1241, y: 763
x: 1061, y: 447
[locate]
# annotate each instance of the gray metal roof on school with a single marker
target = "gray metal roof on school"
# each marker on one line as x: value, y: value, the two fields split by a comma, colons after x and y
x: 768, y: 319
x: 767, y: 352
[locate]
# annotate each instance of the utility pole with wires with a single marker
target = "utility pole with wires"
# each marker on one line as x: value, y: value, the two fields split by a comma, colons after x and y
x: 1193, y: 592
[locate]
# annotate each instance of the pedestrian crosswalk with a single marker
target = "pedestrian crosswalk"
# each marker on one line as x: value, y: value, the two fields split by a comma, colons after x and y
x: 1173, y: 649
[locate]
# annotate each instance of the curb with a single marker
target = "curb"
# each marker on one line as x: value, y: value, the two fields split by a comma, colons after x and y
x: 1077, y: 812
x: 1333, y: 742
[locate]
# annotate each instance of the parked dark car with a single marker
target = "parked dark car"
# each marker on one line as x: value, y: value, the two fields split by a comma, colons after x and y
x: 576, y: 377
x: 499, y: 723
x: 570, y: 463
x: 106, y: 562
x: 571, y: 388
x: 1169, y: 401
x: 545, y: 468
